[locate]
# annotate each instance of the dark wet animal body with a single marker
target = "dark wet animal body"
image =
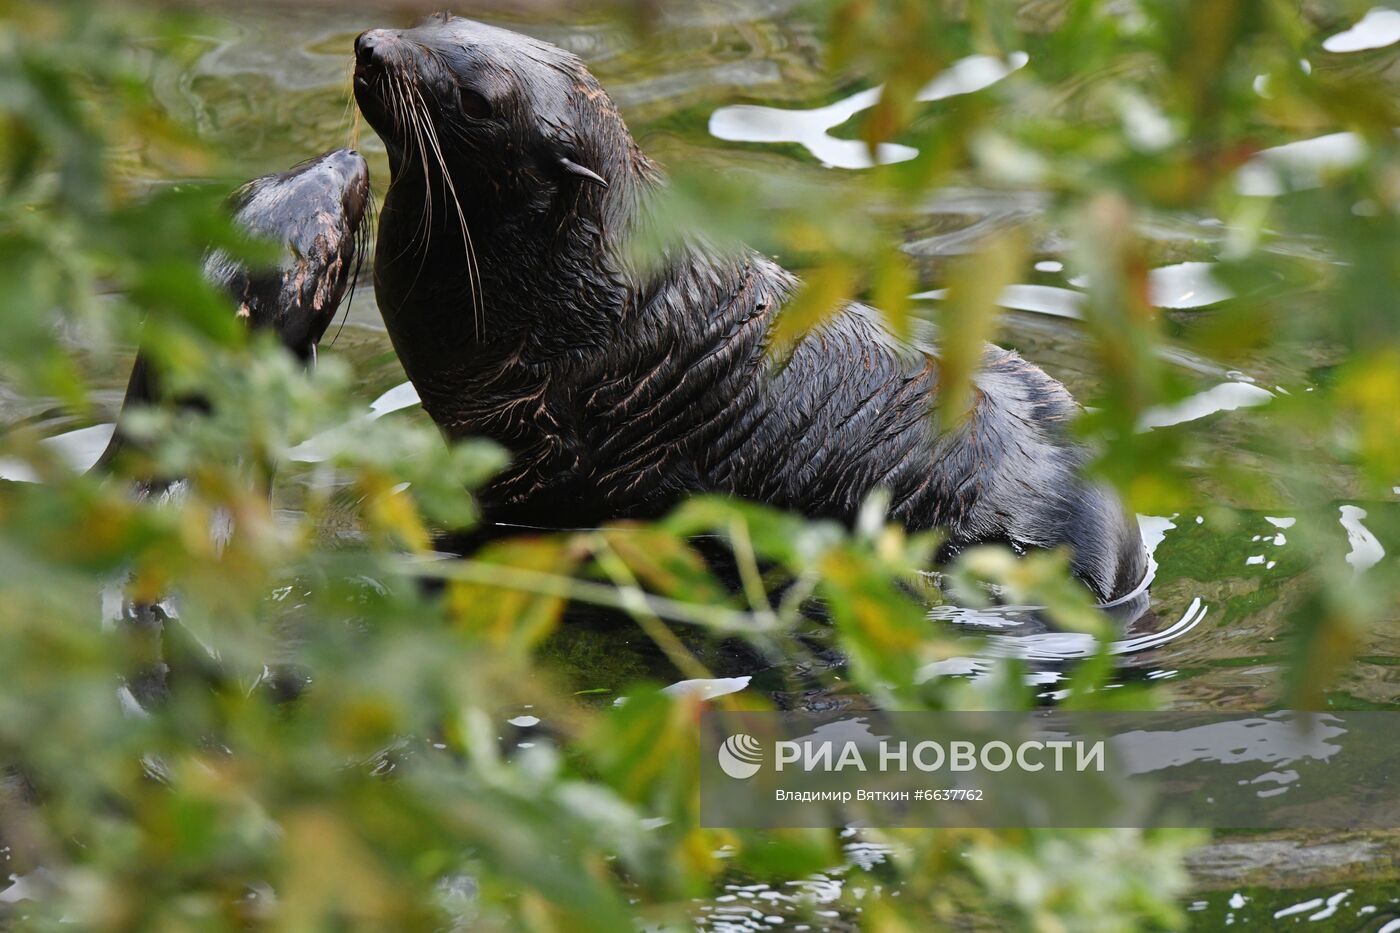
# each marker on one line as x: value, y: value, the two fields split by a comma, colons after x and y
x: 316, y: 212
x: 501, y: 275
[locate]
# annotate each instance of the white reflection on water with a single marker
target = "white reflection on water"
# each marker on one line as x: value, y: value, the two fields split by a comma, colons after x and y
x: 1366, y: 550
x: 1043, y: 299
x: 34, y: 886
x: 80, y: 449
x: 1179, y: 286
x: 1040, y: 299
x: 1300, y: 165
x: 707, y: 688
x: 811, y: 129
x: 1186, y: 285
x: 321, y: 447
x: 1331, y: 906
x: 1227, y: 396
x: 971, y: 74
x: 1377, y: 29
x: 1055, y: 647
x: 401, y: 396
x: 1266, y: 739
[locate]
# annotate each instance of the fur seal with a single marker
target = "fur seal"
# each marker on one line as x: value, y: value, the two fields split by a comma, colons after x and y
x: 501, y: 275
x: 316, y: 212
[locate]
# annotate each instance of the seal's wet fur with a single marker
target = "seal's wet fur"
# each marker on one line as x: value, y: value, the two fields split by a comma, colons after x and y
x: 618, y: 391
x: 316, y: 212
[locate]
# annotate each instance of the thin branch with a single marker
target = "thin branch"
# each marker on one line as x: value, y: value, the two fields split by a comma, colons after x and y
x: 718, y: 618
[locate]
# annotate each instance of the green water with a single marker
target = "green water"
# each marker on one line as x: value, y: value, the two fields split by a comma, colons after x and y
x: 273, y: 89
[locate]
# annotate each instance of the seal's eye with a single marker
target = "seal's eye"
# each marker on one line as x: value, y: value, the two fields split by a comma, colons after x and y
x: 474, y: 105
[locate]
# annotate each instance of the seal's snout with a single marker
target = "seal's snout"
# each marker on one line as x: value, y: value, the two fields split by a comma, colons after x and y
x: 374, y: 59
x: 356, y: 198
x: 348, y: 162
x: 351, y: 177
x: 372, y: 48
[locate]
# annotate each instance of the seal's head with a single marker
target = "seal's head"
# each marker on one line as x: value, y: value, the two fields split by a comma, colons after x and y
x: 510, y: 120
x: 515, y: 186
x: 315, y: 212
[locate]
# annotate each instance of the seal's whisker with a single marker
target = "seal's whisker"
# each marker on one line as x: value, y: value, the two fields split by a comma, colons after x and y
x: 412, y: 123
x: 426, y: 134
x: 352, y: 113
x: 407, y: 122
x: 419, y: 119
x: 389, y: 93
x: 401, y: 127
x: 362, y: 245
x: 473, y: 273
x: 415, y: 121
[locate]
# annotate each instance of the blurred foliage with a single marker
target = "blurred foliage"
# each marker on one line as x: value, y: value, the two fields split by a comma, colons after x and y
x: 388, y: 793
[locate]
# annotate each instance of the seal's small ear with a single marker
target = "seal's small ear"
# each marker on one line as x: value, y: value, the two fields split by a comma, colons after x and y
x: 587, y: 174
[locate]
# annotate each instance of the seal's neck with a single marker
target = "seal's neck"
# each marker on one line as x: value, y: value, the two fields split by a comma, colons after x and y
x: 499, y: 345
x: 534, y: 283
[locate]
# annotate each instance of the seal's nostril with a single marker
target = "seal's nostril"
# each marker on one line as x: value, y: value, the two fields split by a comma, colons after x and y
x: 368, y: 46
